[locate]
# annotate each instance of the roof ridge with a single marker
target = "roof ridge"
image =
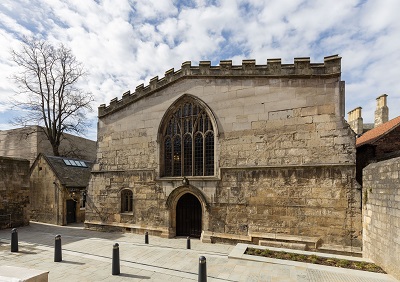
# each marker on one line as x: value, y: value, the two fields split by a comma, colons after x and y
x: 376, y: 133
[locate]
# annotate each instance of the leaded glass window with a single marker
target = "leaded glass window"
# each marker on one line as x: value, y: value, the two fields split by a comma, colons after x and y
x: 126, y: 201
x: 198, y: 154
x: 188, y: 142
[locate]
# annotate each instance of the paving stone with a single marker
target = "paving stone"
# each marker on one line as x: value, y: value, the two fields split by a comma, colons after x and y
x: 87, y: 256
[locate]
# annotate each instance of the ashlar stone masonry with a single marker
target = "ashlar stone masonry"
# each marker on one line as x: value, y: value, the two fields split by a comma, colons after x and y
x: 381, y: 214
x: 254, y: 153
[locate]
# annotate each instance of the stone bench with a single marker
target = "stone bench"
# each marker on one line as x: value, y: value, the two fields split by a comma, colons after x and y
x: 280, y: 244
x: 206, y: 237
x: 287, y: 241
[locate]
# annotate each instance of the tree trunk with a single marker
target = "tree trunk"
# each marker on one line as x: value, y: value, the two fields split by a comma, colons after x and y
x: 55, y: 150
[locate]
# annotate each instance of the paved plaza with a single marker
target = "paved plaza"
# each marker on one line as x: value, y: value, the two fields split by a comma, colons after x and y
x: 87, y: 256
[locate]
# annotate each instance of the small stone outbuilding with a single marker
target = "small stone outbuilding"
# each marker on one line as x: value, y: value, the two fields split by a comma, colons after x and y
x: 58, y: 189
x: 14, y: 192
x: 252, y: 153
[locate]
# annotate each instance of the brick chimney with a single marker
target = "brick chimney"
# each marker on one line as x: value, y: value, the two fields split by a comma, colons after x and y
x: 382, y: 111
x: 355, y: 120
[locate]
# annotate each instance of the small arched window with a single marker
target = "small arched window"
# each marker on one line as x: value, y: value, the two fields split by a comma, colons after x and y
x: 188, y: 141
x: 126, y: 201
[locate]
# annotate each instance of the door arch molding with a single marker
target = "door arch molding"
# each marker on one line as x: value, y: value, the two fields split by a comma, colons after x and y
x: 172, y: 202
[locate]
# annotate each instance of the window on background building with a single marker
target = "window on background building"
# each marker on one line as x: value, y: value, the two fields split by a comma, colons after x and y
x: 126, y: 201
x: 188, y: 141
x: 83, y: 199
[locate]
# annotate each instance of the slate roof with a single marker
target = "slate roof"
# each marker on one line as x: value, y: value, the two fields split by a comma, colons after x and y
x: 70, y: 176
x: 376, y: 133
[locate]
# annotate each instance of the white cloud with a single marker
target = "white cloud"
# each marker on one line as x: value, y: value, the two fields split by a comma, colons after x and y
x: 123, y: 43
x: 154, y: 9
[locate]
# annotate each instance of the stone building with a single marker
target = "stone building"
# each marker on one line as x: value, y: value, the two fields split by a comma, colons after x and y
x: 14, y: 192
x: 251, y: 153
x: 28, y: 142
x: 378, y: 142
x: 58, y: 189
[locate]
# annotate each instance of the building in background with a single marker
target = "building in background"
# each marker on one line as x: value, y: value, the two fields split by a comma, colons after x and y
x: 378, y: 142
x: 28, y: 142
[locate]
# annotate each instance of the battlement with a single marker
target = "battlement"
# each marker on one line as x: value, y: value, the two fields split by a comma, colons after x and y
x: 302, y: 67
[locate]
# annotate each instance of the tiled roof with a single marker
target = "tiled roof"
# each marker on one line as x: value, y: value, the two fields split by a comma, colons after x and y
x: 376, y: 133
x: 70, y: 176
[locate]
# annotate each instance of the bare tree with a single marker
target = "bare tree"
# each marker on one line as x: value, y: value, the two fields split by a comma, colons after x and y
x: 49, y: 95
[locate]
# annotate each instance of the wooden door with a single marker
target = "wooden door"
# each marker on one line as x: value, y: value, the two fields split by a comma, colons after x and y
x: 71, y: 211
x: 188, y: 216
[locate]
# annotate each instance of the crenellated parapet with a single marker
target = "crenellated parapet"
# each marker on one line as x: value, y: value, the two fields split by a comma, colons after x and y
x: 274, y: 68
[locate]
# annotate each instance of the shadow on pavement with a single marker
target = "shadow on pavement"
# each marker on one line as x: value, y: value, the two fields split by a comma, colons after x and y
x: 71, y: 262
x: 47, y: 232
x: 133, y: 276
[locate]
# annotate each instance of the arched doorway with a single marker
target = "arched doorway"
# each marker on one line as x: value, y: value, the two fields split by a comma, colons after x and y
x: 188, y: 216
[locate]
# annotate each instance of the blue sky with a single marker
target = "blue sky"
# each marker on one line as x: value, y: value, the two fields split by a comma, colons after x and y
x: 124, y: 43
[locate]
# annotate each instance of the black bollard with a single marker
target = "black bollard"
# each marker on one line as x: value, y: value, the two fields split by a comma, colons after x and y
x: 202, y: 269
x: 14, y: 240
x: 115, y: 260
x: 188, y: 243
x: 146, y: 237
x: 57, y: 249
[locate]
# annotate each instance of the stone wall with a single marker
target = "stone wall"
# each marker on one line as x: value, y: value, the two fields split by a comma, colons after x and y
x: 381, y: 214
x: 282, y: 147
x: 28, y: 142
x: 14, y: 192
x: 303, y: 201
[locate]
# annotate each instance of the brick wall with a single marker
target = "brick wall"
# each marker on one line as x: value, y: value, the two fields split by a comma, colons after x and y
x: 388, y: 143
x: 381, y: 214
x: 14, y: 192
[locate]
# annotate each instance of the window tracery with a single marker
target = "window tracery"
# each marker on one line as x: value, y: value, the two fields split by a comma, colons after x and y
x: 188, y: 141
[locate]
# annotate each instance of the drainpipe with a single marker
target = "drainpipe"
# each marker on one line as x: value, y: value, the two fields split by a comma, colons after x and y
x: 57, y: 201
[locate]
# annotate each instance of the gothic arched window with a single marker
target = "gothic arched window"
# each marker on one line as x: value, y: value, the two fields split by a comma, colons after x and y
x: 188, y: 141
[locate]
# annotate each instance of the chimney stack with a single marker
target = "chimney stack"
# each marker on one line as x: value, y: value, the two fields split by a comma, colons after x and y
x: 355, y: 120
x: 382, y: 111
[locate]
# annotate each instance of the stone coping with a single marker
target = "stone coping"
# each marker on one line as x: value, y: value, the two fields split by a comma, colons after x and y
x: 214, y: 178
x: 16, y: 274
x: 239, y: 250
